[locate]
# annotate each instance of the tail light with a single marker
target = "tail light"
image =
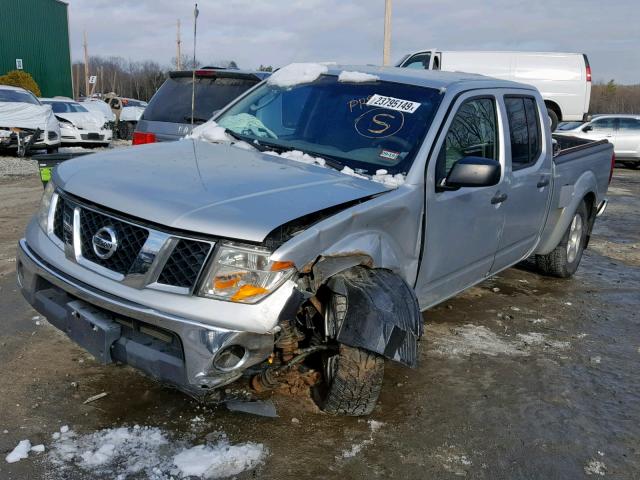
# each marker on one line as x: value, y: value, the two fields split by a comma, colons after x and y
x: 205, y: 73
x: 613, y: 164
x: 588, y: 67
x: 140, y: 138
x: 588, y: 74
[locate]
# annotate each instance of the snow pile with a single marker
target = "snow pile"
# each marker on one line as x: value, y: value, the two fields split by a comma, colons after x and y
x: 356, y: 448
x: 299, y: 156
x: 356, y: 77
x: 540, y: 339
x: 384, y: 177
x: 218, y: 461
x: 149, y: 452
x: 210, y: 132
x: 21, y: 451
x: 351, y: 171
x: 595, y: 467
x: 296, y: 74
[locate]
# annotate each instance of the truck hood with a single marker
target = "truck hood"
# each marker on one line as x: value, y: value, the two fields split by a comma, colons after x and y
x: 206, y: 188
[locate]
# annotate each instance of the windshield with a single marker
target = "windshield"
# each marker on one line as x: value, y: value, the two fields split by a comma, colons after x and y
x: 172, y: 102
x: 17, y: 96
x: 365, y: 126
x: 65, y: 107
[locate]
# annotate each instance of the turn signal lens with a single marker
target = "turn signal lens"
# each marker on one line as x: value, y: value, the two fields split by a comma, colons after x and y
x: 247, y: 291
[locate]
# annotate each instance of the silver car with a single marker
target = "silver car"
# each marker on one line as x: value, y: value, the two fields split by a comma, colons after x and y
x: 621, y: 130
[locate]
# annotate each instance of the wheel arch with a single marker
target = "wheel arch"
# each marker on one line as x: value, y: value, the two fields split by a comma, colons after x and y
x: 550, y: 104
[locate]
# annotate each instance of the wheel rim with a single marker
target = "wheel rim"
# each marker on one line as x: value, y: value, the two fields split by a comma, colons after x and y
x: 575, y: 238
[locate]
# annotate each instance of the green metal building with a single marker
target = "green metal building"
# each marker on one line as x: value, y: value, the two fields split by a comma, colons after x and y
x: 34, y: 34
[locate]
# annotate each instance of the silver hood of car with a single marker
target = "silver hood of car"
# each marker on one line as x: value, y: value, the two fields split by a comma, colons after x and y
x: 208, y: 188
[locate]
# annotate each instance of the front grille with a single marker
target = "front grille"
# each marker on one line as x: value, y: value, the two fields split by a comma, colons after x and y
x: 184, y: 264
x: 131, y: 238
x: 91, y: 136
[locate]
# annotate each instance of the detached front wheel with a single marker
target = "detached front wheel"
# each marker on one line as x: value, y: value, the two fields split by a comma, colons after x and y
x: 352, y: 377
x: 563, y: 261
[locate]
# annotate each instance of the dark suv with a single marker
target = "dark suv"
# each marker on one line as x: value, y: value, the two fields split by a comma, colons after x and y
x: 168, y: 115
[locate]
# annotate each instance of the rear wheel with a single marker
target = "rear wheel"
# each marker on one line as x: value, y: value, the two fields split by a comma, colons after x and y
x: 553, y: 116
x: 352, y: 377
x: 563, y: 261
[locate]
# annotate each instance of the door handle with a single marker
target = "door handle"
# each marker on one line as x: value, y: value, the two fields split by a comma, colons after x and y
x: 499, y: 198
x: 543, y: 183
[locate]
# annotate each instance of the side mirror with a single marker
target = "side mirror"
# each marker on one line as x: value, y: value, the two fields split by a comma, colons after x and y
x: 588, y: 128
x: 474, y: 172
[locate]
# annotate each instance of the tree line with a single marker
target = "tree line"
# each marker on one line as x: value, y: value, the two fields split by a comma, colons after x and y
x: 610, y: 97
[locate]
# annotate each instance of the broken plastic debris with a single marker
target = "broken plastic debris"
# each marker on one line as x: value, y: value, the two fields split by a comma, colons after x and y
x: 94, y: 398
x: 263, y: 408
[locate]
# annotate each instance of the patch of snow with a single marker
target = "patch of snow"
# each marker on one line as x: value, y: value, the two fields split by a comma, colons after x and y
x: 384, y: 177
x: 453, y: 459
x: 149, y: 452
x: 356, y: 448
x: 468, y: 340
x: 296, y: 74
x: 350, y: 171
x: 537, y: 339
x: 595, y: 467
x: 210, y: 132
x: 64, y: 429
x: 21, y: 451
x: 38, y: 448
x: 356, y: 77
x: 298, y: 156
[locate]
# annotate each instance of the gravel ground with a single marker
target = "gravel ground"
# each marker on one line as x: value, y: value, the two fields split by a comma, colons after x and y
x: 12, y: 165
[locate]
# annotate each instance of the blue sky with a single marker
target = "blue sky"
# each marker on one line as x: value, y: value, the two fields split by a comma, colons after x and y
x: 276, y: 32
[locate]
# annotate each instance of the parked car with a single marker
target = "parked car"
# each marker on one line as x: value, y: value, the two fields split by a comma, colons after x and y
x: 568, y: 126
x: 621, y: 130
x: 127, y: 111
x: 563, y: 79
x: 168, y: 116
x: 25, y: 123
x: 97, y: 105
x: 79, y: 126
x: 336, y: 204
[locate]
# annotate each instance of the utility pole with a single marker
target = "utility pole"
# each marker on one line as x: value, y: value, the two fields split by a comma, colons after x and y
x: 179, y: 52
x: 86, y: 65
x: 193, y: 79
x: 386, y: 52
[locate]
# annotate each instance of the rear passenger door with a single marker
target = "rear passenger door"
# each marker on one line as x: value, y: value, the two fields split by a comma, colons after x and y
x: 627, y: 138
x: 527, y: 179
x: 462, y: 226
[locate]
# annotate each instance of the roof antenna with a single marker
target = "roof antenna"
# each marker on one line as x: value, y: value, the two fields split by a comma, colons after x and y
x: 193, y: 80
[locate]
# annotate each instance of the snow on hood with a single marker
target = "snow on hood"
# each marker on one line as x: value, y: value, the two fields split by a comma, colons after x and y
x: 296, y: 74
x: 84, y: 120
x: 356, y: 77
x: 131, y: 114
x: 25, y: 115
x: 100, y: 107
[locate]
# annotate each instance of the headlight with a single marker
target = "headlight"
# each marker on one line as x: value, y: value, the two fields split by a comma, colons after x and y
x: 242, y: 273
x: 65, y: 125
x: 45, y: 206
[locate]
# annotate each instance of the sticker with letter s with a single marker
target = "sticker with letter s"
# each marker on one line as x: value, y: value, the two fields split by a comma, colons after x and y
x: 379, y: 123
x: 391, y: 103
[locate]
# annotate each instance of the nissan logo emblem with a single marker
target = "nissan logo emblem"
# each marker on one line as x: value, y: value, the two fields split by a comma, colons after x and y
x: 105, y: 243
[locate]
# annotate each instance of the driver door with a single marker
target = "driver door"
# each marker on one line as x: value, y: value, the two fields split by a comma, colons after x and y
x: 463, y: 226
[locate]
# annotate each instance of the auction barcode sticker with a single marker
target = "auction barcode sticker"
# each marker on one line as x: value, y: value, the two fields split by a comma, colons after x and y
x: 391, y: 103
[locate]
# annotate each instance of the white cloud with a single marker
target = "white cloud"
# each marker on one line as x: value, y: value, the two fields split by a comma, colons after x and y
x: 254, y: 32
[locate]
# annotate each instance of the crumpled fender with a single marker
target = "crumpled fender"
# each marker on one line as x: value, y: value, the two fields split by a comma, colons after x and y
x: 382, y: 314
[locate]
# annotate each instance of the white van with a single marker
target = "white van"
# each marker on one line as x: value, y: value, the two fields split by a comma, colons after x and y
x: 563, y: 79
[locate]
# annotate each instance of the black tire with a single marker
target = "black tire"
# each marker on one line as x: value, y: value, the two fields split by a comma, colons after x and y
x: 559, y: 262
x: 554, y: 119
x: 633, y: 165
x: 125, y: 130
x: 352, y: 377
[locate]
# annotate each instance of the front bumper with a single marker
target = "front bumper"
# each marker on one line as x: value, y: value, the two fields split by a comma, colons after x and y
x: 116, y: 329
x: 74, y: 136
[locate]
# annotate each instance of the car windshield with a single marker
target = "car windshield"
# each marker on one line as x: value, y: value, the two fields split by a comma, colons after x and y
x: 365, y: 126
x: 65, y: 107
x: 17, y: 96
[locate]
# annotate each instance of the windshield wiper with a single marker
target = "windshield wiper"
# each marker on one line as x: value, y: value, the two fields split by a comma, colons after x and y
x: 196, y: 119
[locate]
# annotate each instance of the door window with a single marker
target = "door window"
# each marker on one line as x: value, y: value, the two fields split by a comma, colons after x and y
x: 524, y: 128
x: 629, y: 125
x: 472, y: 133
x: 603, y: 124
x: 418, y: 61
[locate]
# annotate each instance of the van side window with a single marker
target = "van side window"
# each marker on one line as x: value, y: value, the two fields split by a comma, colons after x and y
x: 524, y: 128
x: 473, y: 133
x: 419, y: 61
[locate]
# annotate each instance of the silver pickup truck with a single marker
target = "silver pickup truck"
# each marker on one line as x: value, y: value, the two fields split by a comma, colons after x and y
x: 304, y: 231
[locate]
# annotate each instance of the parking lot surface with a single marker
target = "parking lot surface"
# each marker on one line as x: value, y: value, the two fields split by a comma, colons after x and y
x: 520, y: 377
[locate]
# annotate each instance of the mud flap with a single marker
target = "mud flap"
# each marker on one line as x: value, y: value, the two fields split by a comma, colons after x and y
x: 382, y: 314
